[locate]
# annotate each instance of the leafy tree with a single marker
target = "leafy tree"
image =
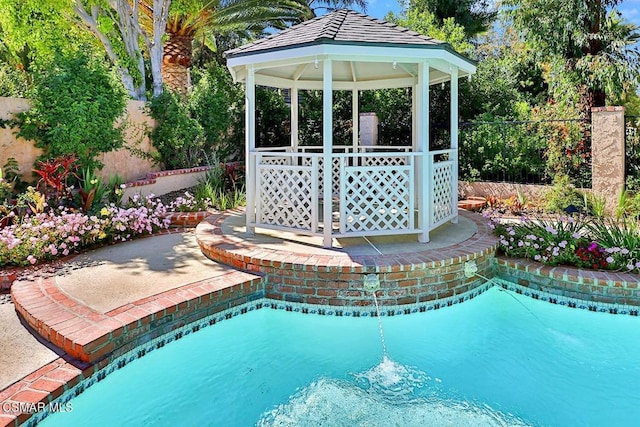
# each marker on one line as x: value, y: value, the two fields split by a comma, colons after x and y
x: 475, y: 16
x: 118, y: 25
x: 328, y: 5
x: 76, y: 103
x: 426, y: 23
x: 33, y: 29
x: 585, y: 43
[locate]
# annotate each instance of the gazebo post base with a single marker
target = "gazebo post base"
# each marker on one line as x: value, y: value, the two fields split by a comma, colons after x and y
x: 454, y: 220
x: 251, y: 230
x: 327, y: 242
x: 423, y: 238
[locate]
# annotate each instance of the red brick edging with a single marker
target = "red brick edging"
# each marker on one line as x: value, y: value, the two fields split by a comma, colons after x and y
x: 336, y: 279
x: 187, y: 219
x: 588, y: 285
x: 151, y: 177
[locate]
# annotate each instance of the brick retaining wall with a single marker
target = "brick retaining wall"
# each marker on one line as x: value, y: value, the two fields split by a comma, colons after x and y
x: 587, y: 285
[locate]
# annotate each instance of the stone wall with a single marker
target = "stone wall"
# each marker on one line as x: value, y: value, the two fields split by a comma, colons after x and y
x: 607, y: 134
x: 122, y: 162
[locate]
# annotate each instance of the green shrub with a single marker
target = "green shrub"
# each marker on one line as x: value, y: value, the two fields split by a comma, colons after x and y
x: 178, y: 137
x: 562, y: 195
x: 633, y: 207
x: 621, y: 240
x: 13, y: 82
x: 218, y: 106
x: 76, y: 103
x: 222, y: 187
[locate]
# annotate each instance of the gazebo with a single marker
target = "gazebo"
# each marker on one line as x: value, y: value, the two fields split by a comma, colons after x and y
x: 348, y: 191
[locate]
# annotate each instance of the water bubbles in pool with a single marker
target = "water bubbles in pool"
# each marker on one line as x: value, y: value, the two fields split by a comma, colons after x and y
x: 393, y: 381
x: 387, y: 394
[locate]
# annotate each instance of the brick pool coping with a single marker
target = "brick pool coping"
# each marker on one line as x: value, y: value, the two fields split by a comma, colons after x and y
x: 588, y: 285
x: 92, y: 339
x: 336, y: 278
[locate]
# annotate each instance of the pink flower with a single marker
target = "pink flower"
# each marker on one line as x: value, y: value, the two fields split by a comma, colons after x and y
x: 31, y: 259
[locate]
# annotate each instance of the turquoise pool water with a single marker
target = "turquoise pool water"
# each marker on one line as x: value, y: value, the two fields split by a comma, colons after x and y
x: 498, y: 359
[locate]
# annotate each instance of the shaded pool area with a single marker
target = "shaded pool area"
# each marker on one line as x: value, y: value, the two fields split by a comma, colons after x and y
x: 500, y: 357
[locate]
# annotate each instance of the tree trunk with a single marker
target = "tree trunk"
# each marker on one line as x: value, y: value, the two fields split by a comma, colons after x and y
x: 589, y: 98
x: 176, y: 63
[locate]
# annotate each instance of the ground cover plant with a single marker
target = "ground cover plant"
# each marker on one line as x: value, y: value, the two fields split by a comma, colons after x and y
x: 580, y: 241
x: 45, y: 233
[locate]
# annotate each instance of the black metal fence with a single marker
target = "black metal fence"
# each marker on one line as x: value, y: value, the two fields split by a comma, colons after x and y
x: 632, y: 152
x: 526, y: 152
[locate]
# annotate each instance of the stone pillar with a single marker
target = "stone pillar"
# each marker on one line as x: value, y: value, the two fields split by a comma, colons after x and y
x: 607, y: 153
x: 368, y: 129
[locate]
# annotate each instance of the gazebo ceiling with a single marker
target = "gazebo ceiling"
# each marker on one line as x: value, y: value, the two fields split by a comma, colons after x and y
x: 366, y: 53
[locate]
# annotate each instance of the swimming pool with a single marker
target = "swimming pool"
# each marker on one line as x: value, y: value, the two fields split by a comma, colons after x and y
x: 498, y: 359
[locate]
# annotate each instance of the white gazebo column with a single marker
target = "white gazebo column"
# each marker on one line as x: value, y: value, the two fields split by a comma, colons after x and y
x: 327, y: 150
x: 355, y: 118
x: 294, y: 118
x: 414, y: 118
x: 423, y: 164
x: 250, y: 147
x: 414, y: 147
x: 454, y: 141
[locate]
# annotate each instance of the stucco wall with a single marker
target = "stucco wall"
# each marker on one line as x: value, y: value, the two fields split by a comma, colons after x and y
x: 10, y: 145
x: 123, y: 161
x: 501, y: 190
x: 163, y: 182
x: 608, y: 153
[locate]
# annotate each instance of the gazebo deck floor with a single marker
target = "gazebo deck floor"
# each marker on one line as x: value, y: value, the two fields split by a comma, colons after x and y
x: 444, y: 236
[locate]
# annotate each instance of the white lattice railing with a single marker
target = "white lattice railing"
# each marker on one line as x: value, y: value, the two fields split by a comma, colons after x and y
x: 441, y: 188
x: 376, y: 199
x: 374, y: 192
x: 287, y: 193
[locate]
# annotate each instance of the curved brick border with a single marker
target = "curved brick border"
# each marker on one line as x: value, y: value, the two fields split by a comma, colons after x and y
x: 151, y: 177
x: 587, y: 285
x: 92, y: 339
x: 91, y: 336
x: 336, y: 279
x: 187, y: 219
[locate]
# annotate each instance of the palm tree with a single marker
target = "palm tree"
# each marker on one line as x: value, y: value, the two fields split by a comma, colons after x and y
x: 329, y: 5
x: 189, y: 19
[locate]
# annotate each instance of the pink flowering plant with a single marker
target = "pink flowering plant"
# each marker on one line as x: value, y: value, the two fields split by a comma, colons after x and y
x: 578, y: 241
x: 59, y: 232
x: 189, y: 203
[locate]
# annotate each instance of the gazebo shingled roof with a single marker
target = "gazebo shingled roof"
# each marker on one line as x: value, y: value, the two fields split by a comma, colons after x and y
x: 340, y: 26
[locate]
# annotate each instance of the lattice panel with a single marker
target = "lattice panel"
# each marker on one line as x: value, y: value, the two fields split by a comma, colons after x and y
x: 306, y: 161
x: 285, y: 197
x: 384, y: 161
x: 376, y: 200
x: 442, y: 202
x: 280, y: 160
